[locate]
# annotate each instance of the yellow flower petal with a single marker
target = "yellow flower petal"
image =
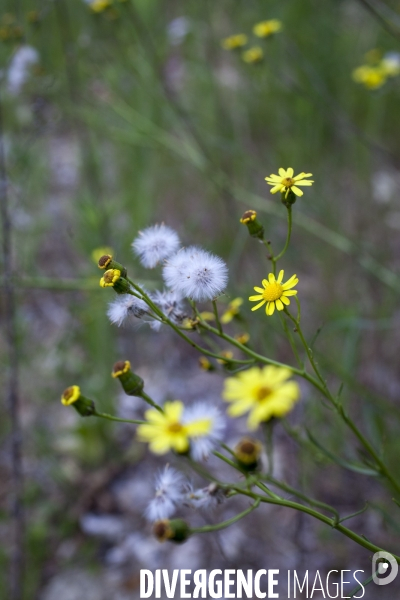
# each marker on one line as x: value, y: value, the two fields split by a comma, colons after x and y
x: 258, y: 305
x: 280, y: 276
x: 253, y: 298
x: 270, y: 308
x: 289, y: 172
x: 297, y: 190
x: 279, y: 304
x: 276, y: 188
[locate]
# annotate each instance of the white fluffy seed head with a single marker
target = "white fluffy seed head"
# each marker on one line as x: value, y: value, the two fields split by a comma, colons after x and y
x: 205, y: 498
x: 170, y: 302
x: 125, y: 306
x: 169, y: 492
x: 201, y: 446
x: 197, y: 274
x: 154, y: 244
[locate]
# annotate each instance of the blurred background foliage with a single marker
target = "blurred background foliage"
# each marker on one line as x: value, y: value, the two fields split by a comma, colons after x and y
x: 135, y: 115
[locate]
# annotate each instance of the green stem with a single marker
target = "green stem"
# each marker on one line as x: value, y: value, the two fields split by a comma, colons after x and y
x: 112, y: 418
x: 327, y: 520
x: 289, y: 233
x: 323, y: 388
x: 217, y: 320
x: 147, y: 399
x: 224, y: 524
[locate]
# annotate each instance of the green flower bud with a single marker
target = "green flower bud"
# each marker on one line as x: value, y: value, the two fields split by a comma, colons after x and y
x: 132, y: 384
x: 176, y: 530
x: 84, y: 406
x: 256, y: 229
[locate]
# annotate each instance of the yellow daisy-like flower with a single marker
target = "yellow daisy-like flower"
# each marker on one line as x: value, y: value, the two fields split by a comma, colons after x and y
x: 284, y: 182
x: 232, y: 310
x: 97, y: 253
x: 263, y: 392
x: 274, y: 293
x: 267, y: 28
x: 253, y: 55
x: 166, y: 431
x: 234, y: 41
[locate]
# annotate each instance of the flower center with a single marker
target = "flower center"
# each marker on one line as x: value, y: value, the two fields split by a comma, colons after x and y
x: 175, y: 427
x: 273, y: 291
x: 288, y: 182
x: 263, y: 392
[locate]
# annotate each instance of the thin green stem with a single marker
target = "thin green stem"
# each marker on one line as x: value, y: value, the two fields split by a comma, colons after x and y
x: 224, y: 524
x: 321, y: 385
x: 288, y: 236
x: 314, y: 513
x: 112, y: 418
x: 217, y: 320
x: 147, y: 399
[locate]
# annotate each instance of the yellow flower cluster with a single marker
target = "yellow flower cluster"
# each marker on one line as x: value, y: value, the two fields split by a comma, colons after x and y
x: 254, y: 54
x: 378, y: 70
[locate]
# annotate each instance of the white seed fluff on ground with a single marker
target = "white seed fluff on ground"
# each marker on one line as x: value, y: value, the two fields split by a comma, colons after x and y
x: 125, y: 306
x: 169, y: 492
x: 196, y: 274
x: 21, y: 64
x: 201, y: 446
x: 154, y: 244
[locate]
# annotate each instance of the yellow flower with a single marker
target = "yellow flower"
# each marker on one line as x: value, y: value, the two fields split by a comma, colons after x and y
x: 234, y: 41
x: 264, y: 393
x: 266, y: 28
x: 227, y: 354
x: 284, y: 182
x: 110, y: 277
x: 242, y: 338
x: 253, y: 55
x: 371, y: 77
x: 97, y: 253
x: 207, y: 316
x: 274, y: 293
x: 98, y: 6
x: 70, y: 395
x: 232, y: 310
x: 166, y: 431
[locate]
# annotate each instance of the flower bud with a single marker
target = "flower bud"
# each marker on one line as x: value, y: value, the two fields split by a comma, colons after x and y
x: 288, y: 198
x: 113, y: 278
x: 84, y: 406
x: 106, y: 262
x: 256, y: 229
x: 132, y: 384
x: 247, y: 453
x: 205, y: 364
x: 175, y: 530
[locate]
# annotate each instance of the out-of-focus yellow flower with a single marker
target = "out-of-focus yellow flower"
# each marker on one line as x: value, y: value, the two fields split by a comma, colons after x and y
x: 234, y: 41
x: 371, y: 77
x: 227, y: 355
x: 242, y: 338
x: 98, y: 6
x: 253, y: 55
x: 264, y: 393
x: 232, y: 310
x: 267, y: 28
x: 274, y: 293
x: 97, y: 253
x: 207, y: 316
x: 166, y: 431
